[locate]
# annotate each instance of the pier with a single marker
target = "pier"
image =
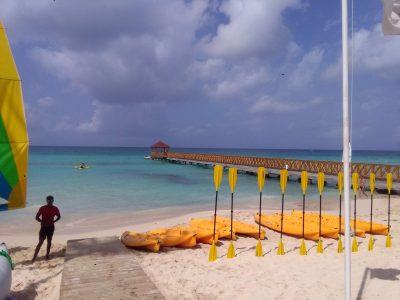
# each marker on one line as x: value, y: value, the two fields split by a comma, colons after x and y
x: 249, y: 165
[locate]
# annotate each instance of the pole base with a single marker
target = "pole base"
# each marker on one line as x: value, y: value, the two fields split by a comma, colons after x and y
x: 388, y: 241
x: 231, y: 251
x: 370, y: 243
x: 354, y: 246
x: 303, y: 249
x: 212, y: 256
x: 320, y: 247
x: 259, y: 249
x: 340, y: 246
x: 281, y: 248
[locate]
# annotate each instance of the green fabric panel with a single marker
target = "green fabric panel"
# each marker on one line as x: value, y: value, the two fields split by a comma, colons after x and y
x: 7, y: 163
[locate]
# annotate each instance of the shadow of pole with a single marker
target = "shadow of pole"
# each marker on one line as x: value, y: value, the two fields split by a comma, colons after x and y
x: 362, y: 286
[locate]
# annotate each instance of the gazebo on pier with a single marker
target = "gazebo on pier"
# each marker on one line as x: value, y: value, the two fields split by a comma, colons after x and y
x: 159, y: 150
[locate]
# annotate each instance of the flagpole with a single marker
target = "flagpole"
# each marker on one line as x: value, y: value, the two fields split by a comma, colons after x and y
x: 346, y: 143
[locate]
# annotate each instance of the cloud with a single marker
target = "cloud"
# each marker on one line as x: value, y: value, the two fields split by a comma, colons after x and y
x: 46, y: 101
x: 373, y: 52
x: 306, y: 70
x: 268, y: 105
x: 255, y: 28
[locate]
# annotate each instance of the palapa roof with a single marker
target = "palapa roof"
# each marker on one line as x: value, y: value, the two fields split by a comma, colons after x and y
x: 160, y: 144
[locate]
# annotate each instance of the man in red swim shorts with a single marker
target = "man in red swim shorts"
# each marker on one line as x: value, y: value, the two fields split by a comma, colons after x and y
x: 46, y: 216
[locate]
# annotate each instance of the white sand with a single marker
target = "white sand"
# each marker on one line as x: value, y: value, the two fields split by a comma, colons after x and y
x: 187, y: 274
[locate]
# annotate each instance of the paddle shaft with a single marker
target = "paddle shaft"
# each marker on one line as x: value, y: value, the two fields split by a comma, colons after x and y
x: 370, y: 221
x: 283, y: 199
x: 259, y: 218
x: 340, y: 214
x: 304, y: 205
x: 215, y: 213
x: 231, y: 215
x: 389, y: 213
x: 355, y: 212
x: 320, y: 205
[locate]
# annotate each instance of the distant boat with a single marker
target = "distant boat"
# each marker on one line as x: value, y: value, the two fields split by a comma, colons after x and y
x: 147, y: 157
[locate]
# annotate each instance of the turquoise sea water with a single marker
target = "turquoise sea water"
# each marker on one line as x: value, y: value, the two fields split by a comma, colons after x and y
x: 120, y: 180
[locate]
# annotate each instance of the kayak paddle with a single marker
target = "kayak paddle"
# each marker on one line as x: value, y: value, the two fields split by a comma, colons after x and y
x: 232, y: 176
x: 321, y: 183
x: 340, y: 188
x: 355, y: 180
x: 261, y: 181
x: 212, y: 256
x: 304, y: 182
x: 372, y: 188
x: 389, y: 179
x: 283, y: 180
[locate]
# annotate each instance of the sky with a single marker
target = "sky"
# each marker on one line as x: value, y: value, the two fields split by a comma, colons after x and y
x: 230, y: 74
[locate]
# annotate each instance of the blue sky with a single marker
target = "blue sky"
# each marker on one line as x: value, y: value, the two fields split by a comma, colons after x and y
x: 246, y: 74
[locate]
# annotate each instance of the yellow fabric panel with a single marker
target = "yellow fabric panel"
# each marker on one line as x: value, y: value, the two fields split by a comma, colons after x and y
x: 18, y: 195
x: 8, y: 70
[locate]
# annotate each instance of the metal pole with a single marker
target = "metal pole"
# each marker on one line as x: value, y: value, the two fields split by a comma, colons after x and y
x: 346, y: 140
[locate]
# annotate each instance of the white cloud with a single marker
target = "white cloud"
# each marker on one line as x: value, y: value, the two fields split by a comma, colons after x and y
x: 46, y: 101
x: 268, y: 105
x: 255, y: 28
x: 306, y: 70
x: 372, y: 52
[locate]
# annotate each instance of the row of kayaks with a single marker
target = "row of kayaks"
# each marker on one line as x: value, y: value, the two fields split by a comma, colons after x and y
x: 188, y: 236
x: 293, y: 225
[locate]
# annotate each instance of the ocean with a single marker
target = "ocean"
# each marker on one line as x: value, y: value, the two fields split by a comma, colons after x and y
x: 121, y: 180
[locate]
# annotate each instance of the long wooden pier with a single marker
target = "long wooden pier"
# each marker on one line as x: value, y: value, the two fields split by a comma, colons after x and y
x: 249, y: 165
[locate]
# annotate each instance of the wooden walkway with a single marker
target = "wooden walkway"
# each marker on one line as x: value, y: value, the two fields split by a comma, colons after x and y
x: 330, y: 180
x: 103, y: 268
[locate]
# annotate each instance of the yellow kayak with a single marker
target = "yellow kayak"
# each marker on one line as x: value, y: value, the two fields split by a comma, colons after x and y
x: 174, y: 237
x: 204, y: 236
x: 292, y: 225
x: 223, y: 230
x: 327, y: 220
x: 242, y: 228
x: 140, y: 240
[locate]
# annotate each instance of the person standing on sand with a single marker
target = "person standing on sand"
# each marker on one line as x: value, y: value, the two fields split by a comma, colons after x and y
x: 45, y: 216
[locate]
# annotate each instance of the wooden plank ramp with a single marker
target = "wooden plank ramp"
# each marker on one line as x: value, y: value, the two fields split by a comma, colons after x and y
x: 103, y: 268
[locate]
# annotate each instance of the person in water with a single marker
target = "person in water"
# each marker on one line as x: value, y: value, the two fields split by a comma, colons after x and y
x: 82, y: 166
x: 47, y: 216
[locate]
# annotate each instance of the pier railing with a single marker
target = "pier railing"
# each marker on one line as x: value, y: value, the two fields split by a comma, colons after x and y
x: 312, y: 166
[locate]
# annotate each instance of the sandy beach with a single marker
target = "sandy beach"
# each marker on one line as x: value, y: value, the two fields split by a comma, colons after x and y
x: 187, y: 274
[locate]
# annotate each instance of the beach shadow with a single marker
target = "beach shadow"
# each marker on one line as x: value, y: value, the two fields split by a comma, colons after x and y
x: 55, y: 254
x: 328, y: 245
x: 313, y: 246
x: 270, y: 250
x: 383, y: 274
x: 17, y: 249
x: 292, y: 250
x: 253, y: 248
x: 29, y: 292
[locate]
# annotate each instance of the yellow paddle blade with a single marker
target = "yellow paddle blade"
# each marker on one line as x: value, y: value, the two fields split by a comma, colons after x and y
x: 388, y: 241
x: 212, y: 256
x: 231, y: 251
x: 283, y: 179
x: 232, y: 177
x: 304, y: 181
x: 354, y: 180
x: 217, y: 176
x: 259, y: 249
x: 340, y: 246
x: 354, y: 246
x: 320, y: 247
x: 340, y: 182
x: 389, y: 179
x: 303, y: 249
x: 261, y: 178
x: 321, y: 182
x: 370, y: 243
x: 281, y: 248
x: 372, y: 182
